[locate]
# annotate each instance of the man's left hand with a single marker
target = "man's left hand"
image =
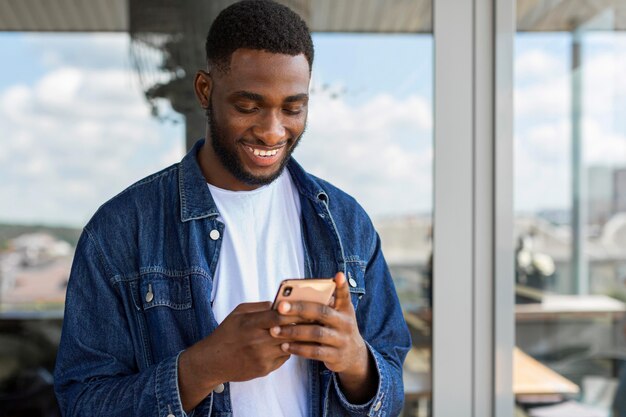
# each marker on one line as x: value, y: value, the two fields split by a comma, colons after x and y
x: 330, y: 334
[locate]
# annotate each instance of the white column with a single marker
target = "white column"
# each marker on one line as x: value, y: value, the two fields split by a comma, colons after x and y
x: 453, y: 218
x: 473, y: 211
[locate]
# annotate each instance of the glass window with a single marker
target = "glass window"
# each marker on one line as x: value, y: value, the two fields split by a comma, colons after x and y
x: 78, y: 129
x: 370, y: 133
x: 570, y: 224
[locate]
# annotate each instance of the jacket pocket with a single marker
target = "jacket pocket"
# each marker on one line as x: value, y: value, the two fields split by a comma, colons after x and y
x: 165, y: 313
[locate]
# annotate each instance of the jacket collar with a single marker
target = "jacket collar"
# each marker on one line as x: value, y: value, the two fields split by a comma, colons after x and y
x: 196, y: 201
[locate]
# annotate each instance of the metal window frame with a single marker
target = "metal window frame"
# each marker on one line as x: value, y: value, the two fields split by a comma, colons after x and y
x: 473, y: 299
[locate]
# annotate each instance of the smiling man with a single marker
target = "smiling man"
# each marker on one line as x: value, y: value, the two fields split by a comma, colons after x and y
x: 168, y: 307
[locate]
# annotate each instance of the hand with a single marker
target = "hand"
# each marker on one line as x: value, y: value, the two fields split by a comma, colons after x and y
x: 330, y: 334
x: 239, y: 349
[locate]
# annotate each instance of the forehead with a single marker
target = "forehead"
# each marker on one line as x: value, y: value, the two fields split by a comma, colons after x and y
x: 255, y: 70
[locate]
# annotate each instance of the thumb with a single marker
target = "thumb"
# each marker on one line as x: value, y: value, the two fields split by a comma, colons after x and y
x: 342, y: 292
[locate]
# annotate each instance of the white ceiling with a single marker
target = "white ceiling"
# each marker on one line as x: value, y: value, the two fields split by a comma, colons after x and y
x: 384, y: 16
x: 64, y: 15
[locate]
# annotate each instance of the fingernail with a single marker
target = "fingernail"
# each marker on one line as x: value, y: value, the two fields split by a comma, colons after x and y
x: 275, y: 330
x: 285, y: 347
x: 286, y: 307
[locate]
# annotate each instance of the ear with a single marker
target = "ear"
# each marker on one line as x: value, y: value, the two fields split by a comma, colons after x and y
x: 203, y: 83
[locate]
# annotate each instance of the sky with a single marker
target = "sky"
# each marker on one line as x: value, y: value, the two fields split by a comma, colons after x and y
x: 542, y: 109
x: 75, y: 129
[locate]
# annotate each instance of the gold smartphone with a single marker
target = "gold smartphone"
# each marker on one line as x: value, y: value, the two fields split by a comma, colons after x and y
x: 318, y: 290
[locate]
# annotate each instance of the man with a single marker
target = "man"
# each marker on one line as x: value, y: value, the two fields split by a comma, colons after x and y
x: 168, y: 307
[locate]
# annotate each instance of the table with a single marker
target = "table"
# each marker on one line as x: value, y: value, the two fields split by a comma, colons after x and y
x: 531, y: 379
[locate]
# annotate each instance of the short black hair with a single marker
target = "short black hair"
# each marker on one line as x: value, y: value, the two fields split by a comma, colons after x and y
x: 261, y: 25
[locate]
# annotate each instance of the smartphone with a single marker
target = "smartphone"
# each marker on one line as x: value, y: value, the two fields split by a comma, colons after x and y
x: 318, y: 290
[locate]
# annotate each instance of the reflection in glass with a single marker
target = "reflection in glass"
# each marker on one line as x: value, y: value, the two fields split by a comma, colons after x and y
x: 369, y: 132
x: 371, y: 104
x: 570, y: 227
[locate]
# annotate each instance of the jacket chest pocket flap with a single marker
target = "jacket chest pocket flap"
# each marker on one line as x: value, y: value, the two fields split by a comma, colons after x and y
x: 156, y: 290
x: 355, y: 274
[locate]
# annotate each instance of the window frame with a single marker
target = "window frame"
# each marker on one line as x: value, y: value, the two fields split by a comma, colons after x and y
x: 473, y: 297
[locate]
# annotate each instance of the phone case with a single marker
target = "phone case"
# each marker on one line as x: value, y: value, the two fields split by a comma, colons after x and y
x: 319, y: 290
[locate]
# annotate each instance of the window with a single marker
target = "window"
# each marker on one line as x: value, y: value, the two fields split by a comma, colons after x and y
x: 370, y: 133
x: 570, y: 224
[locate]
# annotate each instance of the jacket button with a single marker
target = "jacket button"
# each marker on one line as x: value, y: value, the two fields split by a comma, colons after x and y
x: 378, y: 405
x: 171, y: 415
x: 215, y: 234
x: 219, y: 389
x: 149, y: 294
x: 351, y: 280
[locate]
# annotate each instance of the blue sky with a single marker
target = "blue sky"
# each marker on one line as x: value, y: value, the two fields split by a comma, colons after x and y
x: 76, y: 129
x: 363, y: 69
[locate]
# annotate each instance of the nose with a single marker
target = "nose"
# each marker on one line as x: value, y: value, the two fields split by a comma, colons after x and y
x: 270, y: 129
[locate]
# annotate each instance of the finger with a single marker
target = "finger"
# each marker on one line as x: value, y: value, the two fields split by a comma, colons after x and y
x: 262, y: 339
x: 269, y: 318
x: 252, y: 307
x: 312, y: 312
x: 308, y: 333
x: 311, y: 351
x: 342, y: 293
x: 332, y: 301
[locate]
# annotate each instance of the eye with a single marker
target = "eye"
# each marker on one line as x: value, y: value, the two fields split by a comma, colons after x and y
x: 245, y: 110
x: 293, y: 111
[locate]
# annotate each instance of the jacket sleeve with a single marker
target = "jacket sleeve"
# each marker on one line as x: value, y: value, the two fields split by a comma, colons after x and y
x: 386, y: 334
x: 97, y: 373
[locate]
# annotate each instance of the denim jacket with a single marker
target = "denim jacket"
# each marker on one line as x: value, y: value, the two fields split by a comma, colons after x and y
x: 139, y: 294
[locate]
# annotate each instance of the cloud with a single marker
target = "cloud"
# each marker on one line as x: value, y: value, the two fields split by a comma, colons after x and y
x: 91, y: 136
x: 543, y: 126
x: 82, y: 132
x: 603, y: 146
x: 75, y: 138
x: 545, y: 98
x: 379, y: 151
x: 537, y: 63
x: 541, y: 176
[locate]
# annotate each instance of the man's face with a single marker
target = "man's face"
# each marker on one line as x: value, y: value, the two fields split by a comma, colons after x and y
x: 257, y: 113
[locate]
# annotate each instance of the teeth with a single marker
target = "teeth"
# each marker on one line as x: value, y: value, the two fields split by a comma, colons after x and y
x: 258, y: 152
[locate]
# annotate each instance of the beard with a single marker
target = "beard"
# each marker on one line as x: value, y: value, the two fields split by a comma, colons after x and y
x: 229, y: 158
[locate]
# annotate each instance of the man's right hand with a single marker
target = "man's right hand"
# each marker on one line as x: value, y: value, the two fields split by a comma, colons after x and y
x: 240, y: 349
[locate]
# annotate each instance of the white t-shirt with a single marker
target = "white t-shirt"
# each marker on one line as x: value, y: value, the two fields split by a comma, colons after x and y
x: 261, y: 246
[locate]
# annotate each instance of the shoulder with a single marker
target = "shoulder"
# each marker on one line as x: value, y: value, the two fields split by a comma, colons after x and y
x: 352, y: 221
x: 315, y: 187
x: 140, y: 195
x: 340, y: 200
x: 120, y: 222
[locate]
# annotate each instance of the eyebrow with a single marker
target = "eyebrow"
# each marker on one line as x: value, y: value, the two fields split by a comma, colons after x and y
x: 257, y: 97
x: 297, y: 97
x: 248, y: 95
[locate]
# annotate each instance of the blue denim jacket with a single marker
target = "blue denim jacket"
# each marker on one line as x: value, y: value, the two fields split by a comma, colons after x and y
x: 139, y: 294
